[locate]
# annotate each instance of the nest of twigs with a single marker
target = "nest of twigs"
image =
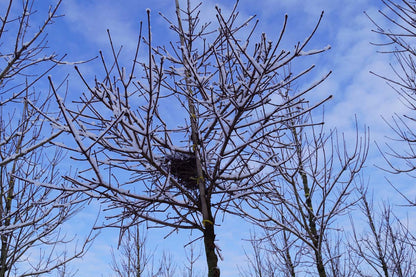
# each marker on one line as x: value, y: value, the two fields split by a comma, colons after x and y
x: 183, y: 167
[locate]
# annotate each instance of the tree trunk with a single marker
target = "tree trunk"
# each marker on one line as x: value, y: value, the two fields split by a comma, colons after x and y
x: 3, y: 257
x: 212, y: 259
x: 207, y: 219
x: 6, y: 208
x: 315, y: 237
x: 380, y: 254
x: 320, y: 264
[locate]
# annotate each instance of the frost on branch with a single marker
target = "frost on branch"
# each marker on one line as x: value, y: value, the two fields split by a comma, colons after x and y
x: 179, y: 136
x: 32, y: 242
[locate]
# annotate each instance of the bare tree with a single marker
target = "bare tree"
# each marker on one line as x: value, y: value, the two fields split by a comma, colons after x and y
x: 261, y: 261
x: 192, y: 256
x: 282, y: 254
x: 134, y: 259
x: 340, y: 262
x: 30, y: 215
x: 313, y: 186
x: 173, y: 140
x: 386, y: 248
x: 400, y: 153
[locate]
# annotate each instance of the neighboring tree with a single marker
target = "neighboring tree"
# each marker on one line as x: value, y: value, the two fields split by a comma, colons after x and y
x: 190, y: 269
x: 262, y: 261
x: 399, y: 35
x: 313, y: 187
x: 31, y: 242
x: 283, y: 254
x: 175, y: 139
x: 134, y: 259
x: 386, y: 248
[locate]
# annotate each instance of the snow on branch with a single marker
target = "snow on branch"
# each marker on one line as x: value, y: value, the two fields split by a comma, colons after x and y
x: 191, y: 130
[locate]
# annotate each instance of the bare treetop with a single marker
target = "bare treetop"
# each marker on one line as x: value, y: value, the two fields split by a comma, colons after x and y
x: 183, y: 132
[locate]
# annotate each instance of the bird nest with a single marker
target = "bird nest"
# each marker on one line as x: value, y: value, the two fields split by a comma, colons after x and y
x: 183, y: 167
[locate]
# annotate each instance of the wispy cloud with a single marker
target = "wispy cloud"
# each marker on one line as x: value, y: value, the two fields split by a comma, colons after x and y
x: 91, y: 20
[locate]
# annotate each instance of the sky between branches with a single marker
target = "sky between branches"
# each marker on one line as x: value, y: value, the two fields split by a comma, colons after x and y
x: 357, y: 93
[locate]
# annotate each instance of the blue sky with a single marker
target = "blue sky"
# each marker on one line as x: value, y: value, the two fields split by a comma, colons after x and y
x: 82, y: 32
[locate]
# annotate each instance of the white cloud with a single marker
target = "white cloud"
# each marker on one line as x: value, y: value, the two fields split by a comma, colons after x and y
x: 91, y: 20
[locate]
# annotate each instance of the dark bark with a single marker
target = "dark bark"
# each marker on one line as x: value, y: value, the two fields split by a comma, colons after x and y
x: 289, y: 263
x: 208, y: 221
x: 379, y: 251
x: 315, y: 237
x: 314, y: 234
x: 209, y: 241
